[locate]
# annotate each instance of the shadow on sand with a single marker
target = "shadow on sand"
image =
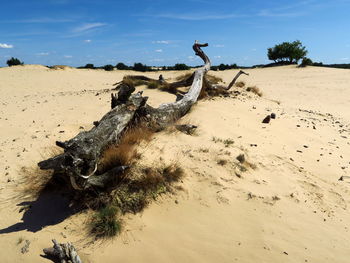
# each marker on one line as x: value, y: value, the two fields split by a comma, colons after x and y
x: 48, y: 209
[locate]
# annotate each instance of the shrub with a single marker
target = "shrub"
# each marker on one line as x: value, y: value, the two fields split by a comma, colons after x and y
x: 306, y: 62
x: 108, y: 67
x: 14, y: 62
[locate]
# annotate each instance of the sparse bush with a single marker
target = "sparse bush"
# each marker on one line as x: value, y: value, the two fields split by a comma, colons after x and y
x: 255, y: 90
x: 105, y: 222
x: 108, y: 67
x: 14, y: 62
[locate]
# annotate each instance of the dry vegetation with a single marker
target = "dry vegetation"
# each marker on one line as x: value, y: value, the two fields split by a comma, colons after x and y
x: 255, y: 90
x: 240, y: 84
x: 131, y: 192
x: 34, y: 180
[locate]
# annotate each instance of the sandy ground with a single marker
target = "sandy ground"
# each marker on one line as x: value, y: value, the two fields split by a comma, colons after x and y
x: 289, y: 208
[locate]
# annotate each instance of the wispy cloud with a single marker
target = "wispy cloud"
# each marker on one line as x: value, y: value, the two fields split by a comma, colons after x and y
x: 3, y: 45
x: 344, y: 59
x: 271, y: 13
x: 166, y: 42
x: 87, y: 40
x: 159, y: 50
x: 88, y: 26
x: 67, y: 56
x: 217, y: 56
x: 196, y: 16
x: 43, y: 54
x: 219, y: 45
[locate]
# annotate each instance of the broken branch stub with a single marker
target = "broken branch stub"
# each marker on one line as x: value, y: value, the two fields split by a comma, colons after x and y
x: 80, y: 161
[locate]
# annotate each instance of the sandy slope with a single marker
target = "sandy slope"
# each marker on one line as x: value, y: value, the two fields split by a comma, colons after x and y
x: 291, y: 208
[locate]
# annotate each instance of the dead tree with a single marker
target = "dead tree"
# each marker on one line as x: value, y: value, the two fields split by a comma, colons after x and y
x: 64, y: 253
x: 80, y: 161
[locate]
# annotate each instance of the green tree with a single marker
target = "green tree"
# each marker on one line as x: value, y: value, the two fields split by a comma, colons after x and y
x: 141, y: 67
x: 181, y: 67
x: 290, y: 52
x: 89, y: 66
x: 121, y: 66
x: 108, y: 67
x: 306, y: 62
x: 13, y: 62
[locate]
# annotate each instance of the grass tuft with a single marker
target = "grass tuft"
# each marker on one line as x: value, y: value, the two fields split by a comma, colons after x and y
x: 240, y: 84
x: 105, y: 222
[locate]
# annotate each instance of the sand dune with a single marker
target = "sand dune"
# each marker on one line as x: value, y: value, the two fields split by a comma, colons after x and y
x: 287, y: 206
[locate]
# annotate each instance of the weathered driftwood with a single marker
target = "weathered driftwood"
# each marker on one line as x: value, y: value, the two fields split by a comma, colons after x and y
x: 80, y: 161
x: 65, y: 253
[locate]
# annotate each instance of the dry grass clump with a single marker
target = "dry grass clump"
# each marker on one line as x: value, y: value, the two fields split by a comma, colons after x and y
x: 34, y: 180
x: 124, y: 153
x: 244, y: 164
x: 255, y: 90
x: 213, y: 79
x: 222, y: 162
x: 240, y: 84
x: 144, y: 184
x: 183, y: 76
x: 153, y: 84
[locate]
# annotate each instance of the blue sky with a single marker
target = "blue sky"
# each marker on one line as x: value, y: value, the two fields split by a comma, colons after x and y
x: 159, y: 32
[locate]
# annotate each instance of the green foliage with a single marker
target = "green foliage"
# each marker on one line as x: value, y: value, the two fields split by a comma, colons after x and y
x: 122, y: 66
x: 224, y: 67
x: 91, y: 66
x: 105, y: 223
x: 14, y: 62
x: 306, y: 62
x: 181, y: 67
x: 141, y: 67
x: 108, y: 67
x: 290, y: 52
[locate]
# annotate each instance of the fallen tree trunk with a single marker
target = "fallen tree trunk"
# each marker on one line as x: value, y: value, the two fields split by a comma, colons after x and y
x: 80, y: 160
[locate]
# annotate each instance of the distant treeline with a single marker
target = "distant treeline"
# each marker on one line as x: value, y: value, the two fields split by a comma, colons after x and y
x: 143, y: 68
x: 137, y: 67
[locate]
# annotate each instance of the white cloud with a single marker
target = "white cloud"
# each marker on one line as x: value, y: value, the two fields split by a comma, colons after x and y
x: 219, y: 45
x: 88, y: 26
x: 198, y: 16
x: 68, y: 56
x: 344, y: 58
x: 217, y: 56
x: 166, y: 42
x: 87, y: 40
x: 5, y: 45
x: 159, y: 50
x: 43, y: 54
x: 254, y: 49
